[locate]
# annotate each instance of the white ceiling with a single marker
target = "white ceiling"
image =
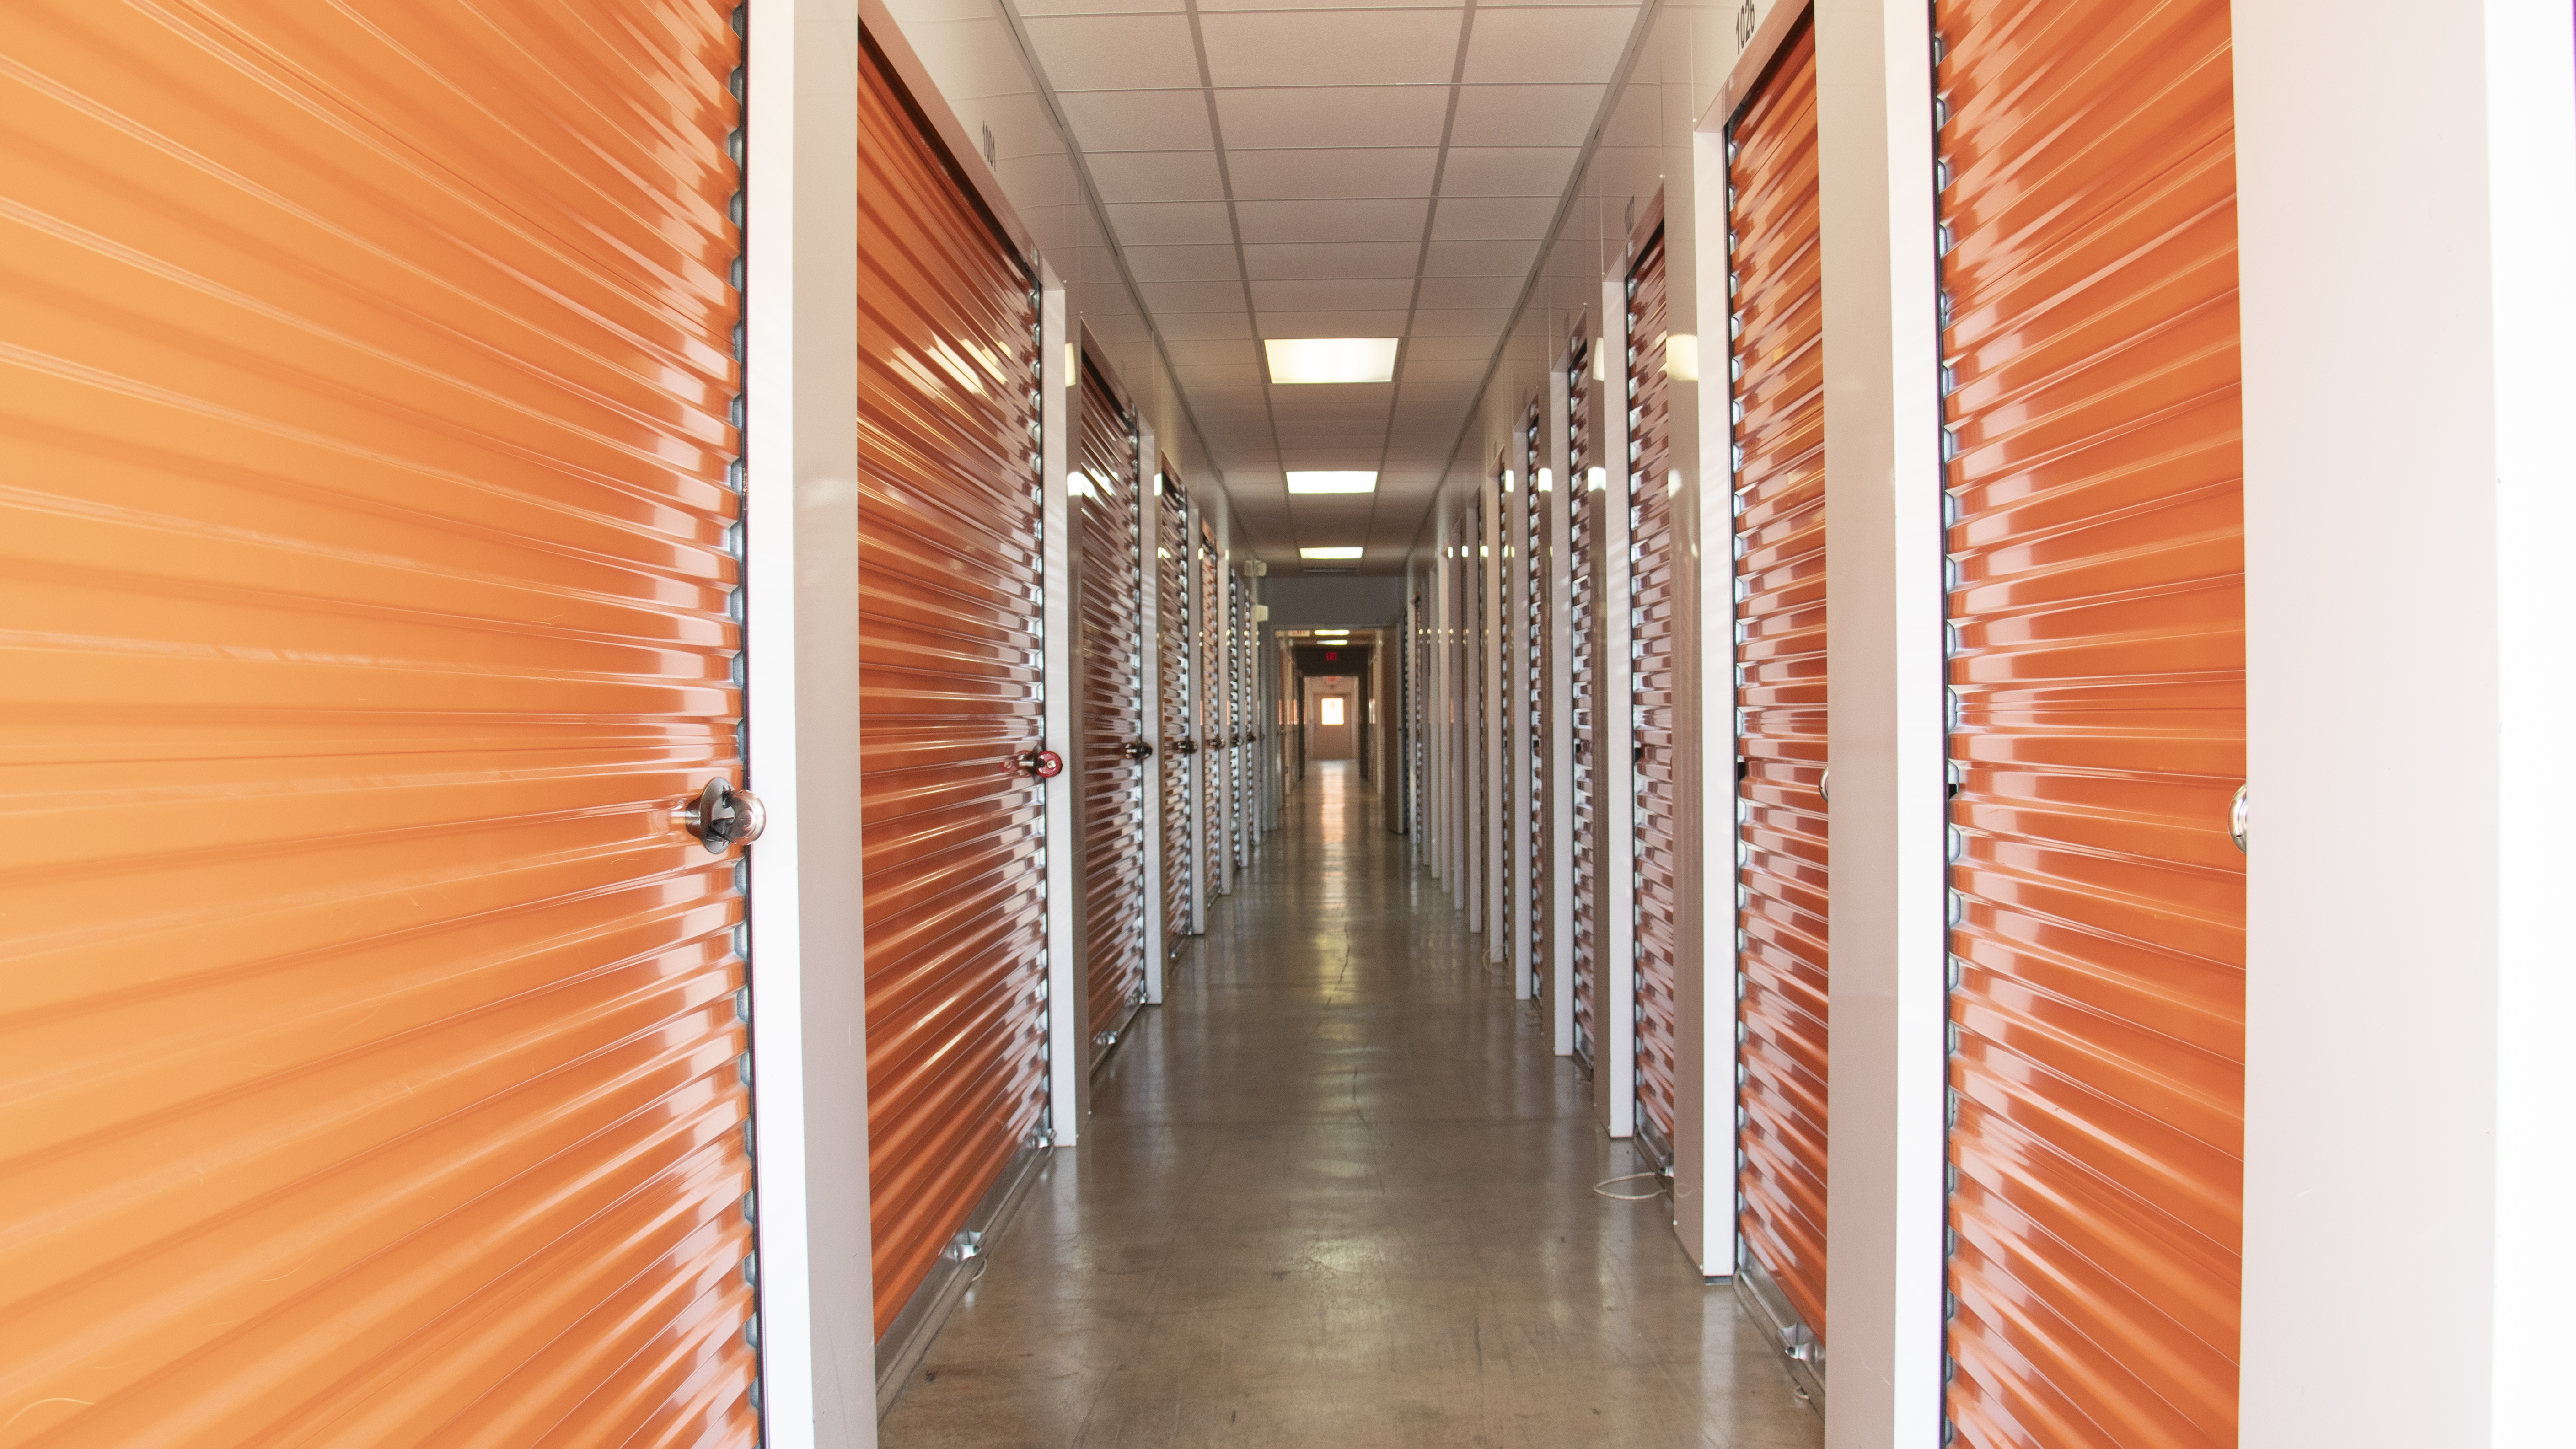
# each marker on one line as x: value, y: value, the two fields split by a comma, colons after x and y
x: 1333, y: 170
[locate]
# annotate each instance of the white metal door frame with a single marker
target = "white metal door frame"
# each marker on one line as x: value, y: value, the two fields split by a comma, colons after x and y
x: 1516, y: 601
x: 801, y: 632
x: 1614, y: 728
x: 1561, y: 500
x: 1489, y: 648
x: 1149, y: 654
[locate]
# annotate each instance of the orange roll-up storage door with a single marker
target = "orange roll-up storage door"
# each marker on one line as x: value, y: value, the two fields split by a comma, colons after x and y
x: 373, y: 1035
x: 1652, y: 691
x: 950, y: 569
x: 1172, y: 620
x: 1775, y: 277
x: 1583, y: 592
x: 2098, y: 737
x: 1113, y: 706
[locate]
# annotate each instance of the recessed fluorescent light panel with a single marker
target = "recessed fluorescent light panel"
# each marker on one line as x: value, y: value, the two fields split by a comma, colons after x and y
x: 1331, y: 359
x: 1330, y: 552
x: 1331, y: 482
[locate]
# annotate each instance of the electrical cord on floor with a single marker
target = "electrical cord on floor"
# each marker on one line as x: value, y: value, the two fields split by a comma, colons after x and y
x: 1630, y: 1196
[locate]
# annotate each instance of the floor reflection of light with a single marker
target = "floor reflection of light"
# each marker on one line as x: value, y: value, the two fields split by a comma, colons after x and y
x: 1333, y: 800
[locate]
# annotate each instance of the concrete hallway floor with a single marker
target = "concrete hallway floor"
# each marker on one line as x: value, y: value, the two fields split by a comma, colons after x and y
x: 1335, y: 1191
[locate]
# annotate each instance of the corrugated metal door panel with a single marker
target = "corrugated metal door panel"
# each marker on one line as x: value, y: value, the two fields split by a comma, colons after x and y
x: 1583, y: 529
x: 1213, y: 868
x: 1240, y: 727
x: 1778, y: 367
x: 1652, y: 689
x: 2098, y: 670
x: 949, y: 629
x: 1480, y: 634
x: 372, y: 1056
x: 1172, y: 590
x: 1532, y: 662
x: 1113, y: 705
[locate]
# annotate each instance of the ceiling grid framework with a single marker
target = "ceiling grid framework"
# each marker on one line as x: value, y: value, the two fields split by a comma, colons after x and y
x: 1328, y: 170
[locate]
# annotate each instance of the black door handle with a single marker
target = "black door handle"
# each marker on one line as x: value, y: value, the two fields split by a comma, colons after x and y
x: 1136, y: 749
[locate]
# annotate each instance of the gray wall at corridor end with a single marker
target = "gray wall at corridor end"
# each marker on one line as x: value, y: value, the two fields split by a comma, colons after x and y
x: 1331, y: 603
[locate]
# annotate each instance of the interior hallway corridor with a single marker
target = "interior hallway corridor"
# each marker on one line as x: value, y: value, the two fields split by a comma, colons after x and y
x: 1337, y: 1192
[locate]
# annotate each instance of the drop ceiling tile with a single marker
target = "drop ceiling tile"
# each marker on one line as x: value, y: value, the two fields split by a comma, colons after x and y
x: 1260, y: 175
x: 1470, y: 291
x: 1138, y: 120
x: 1365, y: 413
x: 1334, y: 116
x: 1157, y: 176
x: 1186, y: 355
x: 1480, y: 259
x: 1465, y: 369
x: 1446, y: 349
x: 1532, y: 115
x: 1340, y: 442
x: 1303, y: 400
x: 1167, y: 298
x: 1332, y: 259
x: 1491, y: 218
x: 1183, y: 264
x: 1331, y: 47
x: 1115, y: 52
x: 1101, y: 7
x: 1452, y: 395
x: 1204, y: 325
x: 1169, y: 223
x: 1329, y: 221
x: 1332, y: 324
x: 1480, y: 322
x: 1344, y: 294
x: 1219, y: 380
x: 1367, y: 429
x: 1547, y: 44
x: 1508, y: 170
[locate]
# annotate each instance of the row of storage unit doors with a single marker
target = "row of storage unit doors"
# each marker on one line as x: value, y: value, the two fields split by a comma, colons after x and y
x: 2092, y: 501
x: 378, y: 1020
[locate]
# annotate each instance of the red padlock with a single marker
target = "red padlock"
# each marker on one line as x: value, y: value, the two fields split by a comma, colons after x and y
x: 1039, y: 764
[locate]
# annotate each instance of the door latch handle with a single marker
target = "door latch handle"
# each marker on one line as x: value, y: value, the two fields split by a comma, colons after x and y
x: 1038, y: 764
x: 723, y: 816
x: 1185, y: 747
x: 1136, y: 749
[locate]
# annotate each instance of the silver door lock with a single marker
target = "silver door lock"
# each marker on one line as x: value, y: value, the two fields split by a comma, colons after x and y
x: 723, y: 816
